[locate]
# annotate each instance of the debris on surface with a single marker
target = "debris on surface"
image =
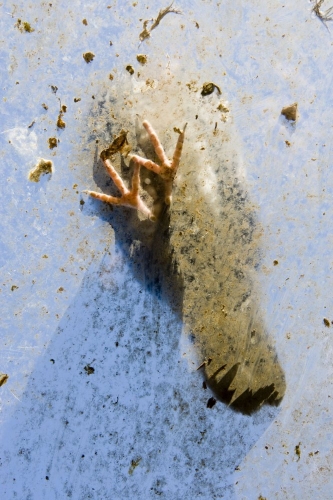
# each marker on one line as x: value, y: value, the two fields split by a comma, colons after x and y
x: 85, y: 22
x: 327, y: 322
x: 323, y: 16
x: 53, y: 142
x: 24, y: 26
x: 163, y: 12
x: 119, y: 145
x: 209, y: 87
x: 211, y: 402
x: 77, y: 99
x: 3, y: 378
x: 45, y: 106
x: 88, y: 56
x: 42, y: 167
x: 134, y: 464
x: 130, y: 69
x: 223, y: 108
x: 298, y: 451
x: 142, y: 58
x: 290, y: 112
x: 60, y: 121
x: 89, y: 369
x: 192, y: 86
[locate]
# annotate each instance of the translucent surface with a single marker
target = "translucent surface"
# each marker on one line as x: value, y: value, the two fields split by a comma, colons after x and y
x: 105, y: 317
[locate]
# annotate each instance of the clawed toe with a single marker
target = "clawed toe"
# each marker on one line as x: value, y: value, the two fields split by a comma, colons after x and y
x: 167, y: 171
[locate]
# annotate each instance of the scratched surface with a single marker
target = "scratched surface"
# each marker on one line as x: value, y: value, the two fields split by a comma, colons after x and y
x: 105, y: 317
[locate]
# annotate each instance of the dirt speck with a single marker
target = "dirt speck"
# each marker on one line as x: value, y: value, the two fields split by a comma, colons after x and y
x: 134, y: 464
x: 211, y: 402
x: 130, y: 69
x: 298, y: 451
x: 142, y: 58
x: 3, y: 378
x: 24, y: 26
x: 209, y: 87
x: 327, y: 322
x: 42, y: 167
x: 53, y: 142
x: 223, y: 108
x: 88, y: 56
x: 89, y: 369
x: 290, y: 112
x: 119, y: 145
x: 60, y: 122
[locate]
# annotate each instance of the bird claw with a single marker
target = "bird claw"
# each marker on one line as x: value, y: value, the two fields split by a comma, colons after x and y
x: 167, y: 171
